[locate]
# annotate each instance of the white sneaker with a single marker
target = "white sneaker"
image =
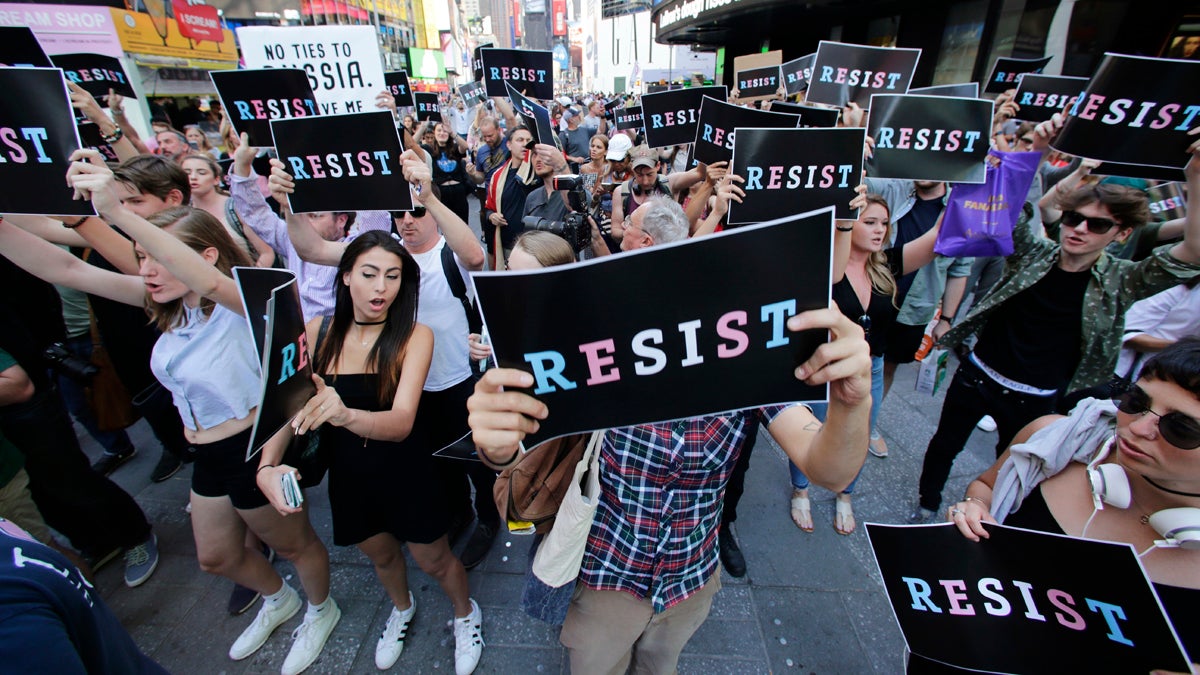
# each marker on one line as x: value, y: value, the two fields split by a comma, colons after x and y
x: 309, y: 639
x: 270, y: 616
x: 468, y: 641
x: 391, y: 643
x: 987, y: 423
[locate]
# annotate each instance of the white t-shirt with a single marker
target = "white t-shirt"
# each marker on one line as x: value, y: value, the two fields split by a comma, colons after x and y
x: 444, y: 315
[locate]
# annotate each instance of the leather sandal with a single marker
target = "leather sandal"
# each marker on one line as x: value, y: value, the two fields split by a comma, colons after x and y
x: 802, y: 510
x: 843, y: 516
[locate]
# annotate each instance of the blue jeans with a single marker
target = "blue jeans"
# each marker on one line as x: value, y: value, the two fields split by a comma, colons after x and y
x: 799, y: 480
x: 113, y: 442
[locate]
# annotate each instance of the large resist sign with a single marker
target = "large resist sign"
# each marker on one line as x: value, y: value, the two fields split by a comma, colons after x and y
x: 929, y: 138
x: 996, y: 605
x: 670, y: 117
x: 591, y: 350
x: 844, y: 73
x: 342, y: 62
x: 779, y: 181
x: 252, y: 98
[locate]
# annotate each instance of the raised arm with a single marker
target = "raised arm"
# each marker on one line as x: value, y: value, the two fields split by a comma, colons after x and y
x: 919, y: 252
x: 87, y: 104
x: 727, y: 191
x: 116, y: 105
x: 51, y: 229
x: 309, y: 245
x: 50, y: 263
x: 682, y: 180
x: 1188, y: 250
x: 618, y: 212
x: 506, y: 111
x: 1048, y: 204
x: 459, y: 236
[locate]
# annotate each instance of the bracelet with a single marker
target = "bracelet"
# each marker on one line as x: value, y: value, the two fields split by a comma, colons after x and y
x: 941, y: 319
x: 71, y: 226
x: 264, y: 466
x: 115, y: 136
x: 986, y: 507
x: 844, y: 229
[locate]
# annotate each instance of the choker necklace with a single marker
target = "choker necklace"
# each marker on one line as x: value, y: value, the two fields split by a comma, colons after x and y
x: 369, y: 323
x: 1181, y: 493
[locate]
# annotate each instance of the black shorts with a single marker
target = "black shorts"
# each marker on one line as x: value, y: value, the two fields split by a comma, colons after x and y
x: 902, y: 343
x: 221, y: 470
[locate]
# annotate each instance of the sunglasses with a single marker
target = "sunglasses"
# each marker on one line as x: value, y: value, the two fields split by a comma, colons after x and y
x: 1176, y: 428
x: 1072, y: 219
x: 417, y: 212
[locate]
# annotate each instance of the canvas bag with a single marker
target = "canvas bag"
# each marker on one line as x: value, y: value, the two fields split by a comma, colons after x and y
x: 979, y: 218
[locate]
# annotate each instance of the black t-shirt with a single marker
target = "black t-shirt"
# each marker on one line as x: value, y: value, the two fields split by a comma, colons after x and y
x: 881, y: 310
x: 919, y: 220
x: 1034, y: 337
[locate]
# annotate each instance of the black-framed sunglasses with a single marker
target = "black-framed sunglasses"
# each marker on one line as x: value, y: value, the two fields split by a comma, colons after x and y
x: 1095, y: 225
x: 417, y: 212
x: 1178, y: 429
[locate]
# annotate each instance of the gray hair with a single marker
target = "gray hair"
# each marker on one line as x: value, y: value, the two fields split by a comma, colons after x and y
x: 664, y: 220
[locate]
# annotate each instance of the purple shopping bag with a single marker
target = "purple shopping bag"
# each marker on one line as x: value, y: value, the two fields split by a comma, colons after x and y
x: 980, y: 217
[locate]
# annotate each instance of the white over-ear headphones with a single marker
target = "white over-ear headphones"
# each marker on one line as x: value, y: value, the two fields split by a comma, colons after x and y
x: 1109, y: 483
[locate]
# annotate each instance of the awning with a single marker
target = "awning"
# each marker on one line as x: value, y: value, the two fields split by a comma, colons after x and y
x: 332, y: 7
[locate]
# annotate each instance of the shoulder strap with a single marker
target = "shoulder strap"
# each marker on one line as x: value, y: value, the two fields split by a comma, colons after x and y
x: 322, y: 332
x: 459, y: 288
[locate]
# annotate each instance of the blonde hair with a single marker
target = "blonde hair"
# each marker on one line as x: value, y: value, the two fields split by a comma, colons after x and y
x: 548, y: 249
x: 878, y: 271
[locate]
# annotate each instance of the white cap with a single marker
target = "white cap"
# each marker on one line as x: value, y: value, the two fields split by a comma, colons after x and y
x: 618, y: 147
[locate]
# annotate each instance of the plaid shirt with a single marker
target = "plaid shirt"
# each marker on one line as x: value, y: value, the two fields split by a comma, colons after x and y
x: 661, y: 491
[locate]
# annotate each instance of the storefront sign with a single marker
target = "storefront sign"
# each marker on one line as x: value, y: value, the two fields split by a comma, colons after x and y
x: 66, y: 29
x: 141, y: 33
x: 197, y: 21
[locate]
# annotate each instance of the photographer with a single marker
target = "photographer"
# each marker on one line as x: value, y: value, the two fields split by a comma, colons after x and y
x: 546, y: 209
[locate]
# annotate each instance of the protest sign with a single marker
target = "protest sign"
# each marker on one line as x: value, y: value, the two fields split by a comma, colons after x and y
x: 810, y: 116
x: 844, y: 73
x: 964, y: 90
x: 96, y: 74
x: 1135, y: 110
x: 536, y: 117
x: 20, y: 47
x: 778, y: 181
x: 429, y: 108
x: 997, y: 606
x: 929, y: 137
x: 1138, y: 171
x: 271, y: 302
x: 1040, y: 96
x: 477, y: 61
x: 611, y: 107
x: 1007, y: 73
x: 252, y: 98
x: 37, y: 130
x: 758, y: 82
x: 670, y: 117
x: 91, y: 138
x: 796, y: 74
x: 629, y: 118
x: 1166, y: 202
x: 715, y: 131
x: 396, y: 82
x: 594, y: 350
x: 343, y: 62
x: 343, y: 162
x: 530, y: 72
x: 472, y: 93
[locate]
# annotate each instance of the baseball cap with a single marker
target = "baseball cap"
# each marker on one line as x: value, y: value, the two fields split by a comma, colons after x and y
x: 564, y: 100
x: 569, y: 113
x: 643, y: 156
x: 618, y: 147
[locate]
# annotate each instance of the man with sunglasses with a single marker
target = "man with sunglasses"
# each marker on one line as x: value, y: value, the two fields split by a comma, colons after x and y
x: 1054, y: 320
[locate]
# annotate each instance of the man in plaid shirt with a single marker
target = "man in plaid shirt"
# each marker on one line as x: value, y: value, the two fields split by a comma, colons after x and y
x: 649, y: 571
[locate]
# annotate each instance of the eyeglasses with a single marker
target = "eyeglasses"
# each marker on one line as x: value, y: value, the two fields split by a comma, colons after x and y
x: 417, y: 212
x: 1026, y: 140
x: 1176, y: 428
x: 1095, y: 225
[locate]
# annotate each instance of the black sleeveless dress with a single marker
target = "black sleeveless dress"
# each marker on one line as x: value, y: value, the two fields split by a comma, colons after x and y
x: 380, y: 486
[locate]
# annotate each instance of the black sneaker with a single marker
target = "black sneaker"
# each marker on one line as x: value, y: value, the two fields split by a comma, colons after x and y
x: 167, y: 466
x: 478, y: 545
x: 242, y: 598
x: 96, y: 560
x: 731, y: 554
x: 109, y: 461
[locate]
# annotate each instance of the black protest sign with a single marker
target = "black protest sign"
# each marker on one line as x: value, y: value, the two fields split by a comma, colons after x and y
x: 396, y: 82
x: 1166, y: 202
x: 796, y: 74
x: 536, y: 117
x: 591, y: 350
x: 629, y: 118
x: 271, y: 301
x: 529, y: 72
x: 477, y: 62
x: 95, y: 74
x: 810, y: 116
x: 343, y: 162
x: 1135, y: 111
x: 778, y: 180
x: 252, y: 98
x: 758, y: 82
x: 963, y: 90
x: 429, y: 107
x: 37, y: 136
x: 472, y: 93
x: 91, y: 138
x: 844, y: 73
x: 715, y: 132
x: 997, y: 606
x: 670, y: 117
x: 1040, y: 96
x: 1138, y: 171
x: 929, y: 138
x: 1007, y: 73
x: 20, y: 47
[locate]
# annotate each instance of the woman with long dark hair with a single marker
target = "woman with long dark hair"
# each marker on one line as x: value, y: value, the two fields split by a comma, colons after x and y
x: 371, y: 358
x: 448, y: 151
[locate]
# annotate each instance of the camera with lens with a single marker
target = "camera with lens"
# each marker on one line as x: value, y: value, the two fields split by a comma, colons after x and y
x: 66, y: 363
x: 574, y: 227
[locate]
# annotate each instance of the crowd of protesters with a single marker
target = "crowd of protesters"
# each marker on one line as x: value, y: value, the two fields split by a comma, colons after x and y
x: 1076, y: 313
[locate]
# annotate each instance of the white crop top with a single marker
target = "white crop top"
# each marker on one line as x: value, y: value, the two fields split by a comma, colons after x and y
x: 210, y: 366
